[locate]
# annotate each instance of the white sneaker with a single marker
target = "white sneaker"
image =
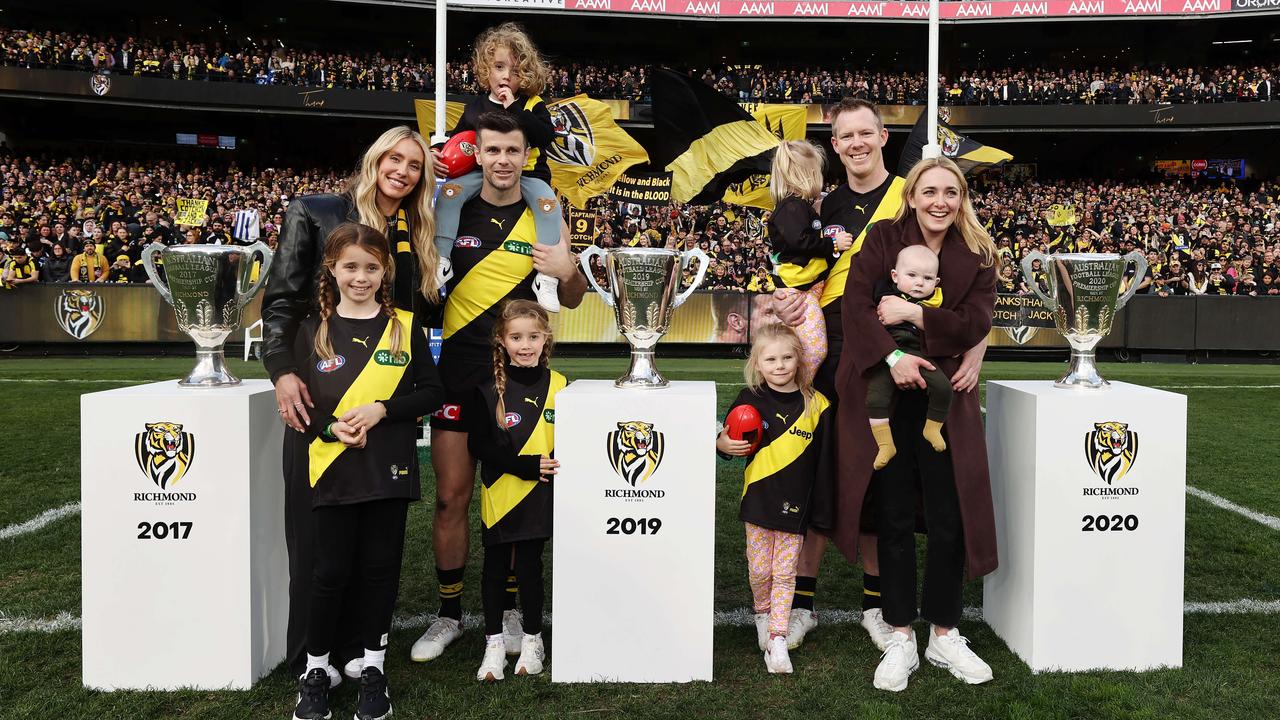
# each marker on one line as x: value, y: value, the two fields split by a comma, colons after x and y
x: 495, y: 659
x: 762, y: 631
x: 776, y: 658
x: 437, y: 637
x: 901, y: 658
x: 546, y: 290
x: 444, y: 272
x: 879, y: 630
x: 512, y: 631
x: 951, y: 652
x: 531, y: 655
x: 353, y: 668
x: 802, y: 621
x: 335, y: 678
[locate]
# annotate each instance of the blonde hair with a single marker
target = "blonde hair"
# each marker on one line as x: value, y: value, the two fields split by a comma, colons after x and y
x: 375, y: 243
x: 771, y: 333
x: 515, y: 310
x: 976, y: 237
x: 363, y: 189
x: 797, y: 170
x: 528, y: 64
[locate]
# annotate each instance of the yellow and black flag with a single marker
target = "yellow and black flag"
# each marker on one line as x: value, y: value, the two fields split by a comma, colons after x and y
x: 704, y: 139
x: 971, y: 155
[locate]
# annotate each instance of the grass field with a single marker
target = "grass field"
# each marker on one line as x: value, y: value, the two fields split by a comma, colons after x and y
x: 1231, y: 658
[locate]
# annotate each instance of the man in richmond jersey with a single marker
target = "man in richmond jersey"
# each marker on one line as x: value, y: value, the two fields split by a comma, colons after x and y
x: 870, y: 194
x: 495, y: 258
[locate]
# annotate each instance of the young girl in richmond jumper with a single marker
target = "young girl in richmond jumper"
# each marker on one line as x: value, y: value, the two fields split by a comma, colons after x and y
x: 801, y: 254
x: 513, y: 440
x: 787, y: 482
x: 512, y: 73
x: 371, y: 377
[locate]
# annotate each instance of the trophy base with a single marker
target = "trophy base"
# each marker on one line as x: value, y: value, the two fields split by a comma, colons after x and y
x: 210, y: 371
x: 1082, y: 373
x: 642, y: 374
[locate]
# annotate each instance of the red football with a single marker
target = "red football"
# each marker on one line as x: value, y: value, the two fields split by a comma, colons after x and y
x: 743, y: 423
x: 459, y: 153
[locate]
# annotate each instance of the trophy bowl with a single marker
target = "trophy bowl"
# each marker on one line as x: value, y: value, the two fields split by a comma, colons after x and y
x: 1084, y: 296
x: 643, y: 291
x: 208, y: 286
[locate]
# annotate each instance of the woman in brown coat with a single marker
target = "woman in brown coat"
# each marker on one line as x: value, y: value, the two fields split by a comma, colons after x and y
x: 954, y: 484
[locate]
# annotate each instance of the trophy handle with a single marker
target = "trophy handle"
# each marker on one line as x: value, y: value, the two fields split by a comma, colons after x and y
x: 584, y: 259
x: 1140, y: 262
x: 149, y: 263
x: 243, y: 298
x: 703, y: 263
x: 1031, y: 279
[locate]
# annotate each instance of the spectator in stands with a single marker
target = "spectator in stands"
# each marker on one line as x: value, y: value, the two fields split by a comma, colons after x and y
x: 90, y: 265
x: 19, y: 270
x: 57, y: 266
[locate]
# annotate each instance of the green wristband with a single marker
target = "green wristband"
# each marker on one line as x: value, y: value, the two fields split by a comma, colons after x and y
x: 894, y: 357
x: 327, y: 432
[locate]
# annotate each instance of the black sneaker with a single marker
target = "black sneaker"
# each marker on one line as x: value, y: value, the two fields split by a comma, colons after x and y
x: 375, y: 701
x: 313, y: 696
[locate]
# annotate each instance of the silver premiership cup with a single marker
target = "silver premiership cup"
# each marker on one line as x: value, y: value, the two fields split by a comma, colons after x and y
x: 1084, y: 296
x: 208, y: 285
x: 643, y: 285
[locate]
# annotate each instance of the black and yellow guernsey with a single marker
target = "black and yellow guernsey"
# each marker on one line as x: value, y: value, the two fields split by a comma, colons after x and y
x: 492, y: 262
x: 514, y: 503
x: 364, y: 370
x: 788, y: 481
x: 534, y: 119
x: 844, y: 210
x: 801, y: 253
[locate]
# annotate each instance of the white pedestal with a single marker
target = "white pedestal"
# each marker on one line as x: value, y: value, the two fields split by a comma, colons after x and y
x: 184, y: 586
x: 1090, y: 571
x: 634, y: 562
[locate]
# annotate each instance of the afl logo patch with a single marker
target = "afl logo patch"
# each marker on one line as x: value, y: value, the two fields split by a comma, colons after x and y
x: 467, y: 241
x: 831, y: 231
x: 328, y: 366
x: 513, y: 419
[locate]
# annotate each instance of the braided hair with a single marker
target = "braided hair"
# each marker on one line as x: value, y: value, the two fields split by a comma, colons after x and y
x: 375, y: 243
x: 515, y: 310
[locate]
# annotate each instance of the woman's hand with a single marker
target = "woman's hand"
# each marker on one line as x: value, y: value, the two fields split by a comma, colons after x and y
x: 966, y: 378
x: 906, y: 372
x: 363, y: 418
x: 788, y: 305
x: 292, y: 401
x: 547, y: 468
x: 894, y: 310
x: 348, y: 435
x: 728, y: 446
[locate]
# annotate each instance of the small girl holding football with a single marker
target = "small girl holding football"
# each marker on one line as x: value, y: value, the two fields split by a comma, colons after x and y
x: 371, y: 377
x: 513, y: 442
x: 800, y: 253
x: 783, y: 426
x: 509, y: 67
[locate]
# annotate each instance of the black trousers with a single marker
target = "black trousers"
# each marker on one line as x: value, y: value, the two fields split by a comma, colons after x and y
x: 525, y: 556
x: 918, y: 468
x: 300, y: 539
x: 361, y: 543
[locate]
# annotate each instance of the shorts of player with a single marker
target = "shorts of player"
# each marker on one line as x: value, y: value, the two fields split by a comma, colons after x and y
x: 460, y: 377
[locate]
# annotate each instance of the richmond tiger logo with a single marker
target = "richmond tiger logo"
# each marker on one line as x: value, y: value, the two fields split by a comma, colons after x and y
x: 574, y: 142
x: 164, y: 452
x: 79, y: 312
x: 635, y: 451
x: 1111, y: 450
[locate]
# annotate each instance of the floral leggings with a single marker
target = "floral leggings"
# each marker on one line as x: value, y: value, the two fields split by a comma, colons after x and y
x: 812, y: 329
x: 771, y: 568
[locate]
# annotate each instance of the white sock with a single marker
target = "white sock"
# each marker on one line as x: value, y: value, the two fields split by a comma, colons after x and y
x: 375, y: 658
x: 317, y: 661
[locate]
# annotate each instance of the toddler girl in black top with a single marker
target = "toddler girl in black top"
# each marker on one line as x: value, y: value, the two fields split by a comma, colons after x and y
x: 371, y: 377
x: 513, y: 441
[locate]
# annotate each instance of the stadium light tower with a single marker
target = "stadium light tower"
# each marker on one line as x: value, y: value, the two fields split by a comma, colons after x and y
x: 932, y: 149
x: 438, y: 136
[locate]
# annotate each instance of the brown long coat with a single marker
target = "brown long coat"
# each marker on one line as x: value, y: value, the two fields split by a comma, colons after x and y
x: 968, y: 298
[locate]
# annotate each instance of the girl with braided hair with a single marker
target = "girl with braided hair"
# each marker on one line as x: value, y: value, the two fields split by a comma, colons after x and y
x: 513, y: 442
x: 371, y: 377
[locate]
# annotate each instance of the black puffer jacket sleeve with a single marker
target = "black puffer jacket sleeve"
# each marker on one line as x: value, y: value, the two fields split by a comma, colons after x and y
x: 290, y: 292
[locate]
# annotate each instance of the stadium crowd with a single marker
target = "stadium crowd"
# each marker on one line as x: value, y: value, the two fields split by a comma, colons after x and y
x: 274, y: 63
x: 1200, y: 236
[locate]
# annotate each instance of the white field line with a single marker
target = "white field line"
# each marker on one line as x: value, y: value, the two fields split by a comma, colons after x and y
x: 1215, y: 387
x: 122, y: 381
x: 39, y: 521
x: 62, y: 621
x: 1221, y: 502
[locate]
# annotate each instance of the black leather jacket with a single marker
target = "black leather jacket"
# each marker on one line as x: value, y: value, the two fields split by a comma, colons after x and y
x: 290, y: 293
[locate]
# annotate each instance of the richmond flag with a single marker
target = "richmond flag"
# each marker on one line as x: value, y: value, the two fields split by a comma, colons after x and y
x: 589, y: 151
x: 968, y: 153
